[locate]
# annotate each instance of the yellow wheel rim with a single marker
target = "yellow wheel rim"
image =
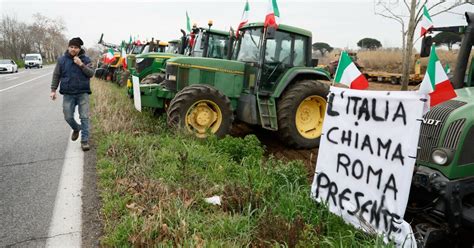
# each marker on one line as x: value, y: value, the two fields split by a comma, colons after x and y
x: 202, y: 116
x: 309, y: 117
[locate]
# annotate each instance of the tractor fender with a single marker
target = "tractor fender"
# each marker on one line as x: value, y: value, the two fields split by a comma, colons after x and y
x: 297, y: 73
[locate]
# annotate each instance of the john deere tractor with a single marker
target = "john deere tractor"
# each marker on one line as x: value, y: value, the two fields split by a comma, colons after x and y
x: 442, y: 191
x: 202, y: 42
x: 271, y: 82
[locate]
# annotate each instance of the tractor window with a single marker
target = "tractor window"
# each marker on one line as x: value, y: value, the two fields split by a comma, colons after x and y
x: 137, y: 50
x: 278, y: 50
x: 299, y: 55
x: 217, y: 46
x: 249, y: 45
x: 146, y: 49
x: 173, y: 48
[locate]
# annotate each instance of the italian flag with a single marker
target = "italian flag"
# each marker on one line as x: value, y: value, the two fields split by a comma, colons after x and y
x: 348, y: 74
x: 436, y: 82
x: 245, y: 17
x: 426, y: 22
x: 273, y: 14
x: 123, y: 56
x: 188, y: 23
x: 109, y: 57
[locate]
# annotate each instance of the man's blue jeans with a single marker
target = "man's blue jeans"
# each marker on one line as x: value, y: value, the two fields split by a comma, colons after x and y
x: 69, y: 105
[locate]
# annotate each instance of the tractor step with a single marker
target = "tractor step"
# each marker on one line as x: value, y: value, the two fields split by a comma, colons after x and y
x: 267, y: 110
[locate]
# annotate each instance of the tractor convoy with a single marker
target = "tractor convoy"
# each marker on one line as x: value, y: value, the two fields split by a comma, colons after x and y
x: 266, y: 77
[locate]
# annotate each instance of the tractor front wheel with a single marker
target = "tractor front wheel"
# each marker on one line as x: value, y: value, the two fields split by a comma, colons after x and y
x: 301, y: 111
x: 201, y: 109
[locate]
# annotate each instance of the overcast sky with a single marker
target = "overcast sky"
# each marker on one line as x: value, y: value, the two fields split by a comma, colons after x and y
x: 339, y: 23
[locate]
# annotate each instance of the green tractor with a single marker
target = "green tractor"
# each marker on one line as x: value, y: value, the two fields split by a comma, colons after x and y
x: 202, y: 42
x: 138, y: 48
x: 271, y: 82
x: 442, y: 191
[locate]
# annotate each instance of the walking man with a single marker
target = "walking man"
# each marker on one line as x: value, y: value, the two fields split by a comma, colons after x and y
x: 72, y: 73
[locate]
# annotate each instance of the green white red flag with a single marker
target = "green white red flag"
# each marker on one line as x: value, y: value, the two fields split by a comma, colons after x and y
x: 245, y: 17
x: 123, y: 56
x: 436, y: 82
x: 348, y: 74
x: 273, y: 14
x: 447, y: 69
x: 109, y: 57
x: 426, y: 22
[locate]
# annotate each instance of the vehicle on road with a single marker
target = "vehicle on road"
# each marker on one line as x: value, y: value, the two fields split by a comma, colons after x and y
x: 33, y: 60
x: 8, y: 65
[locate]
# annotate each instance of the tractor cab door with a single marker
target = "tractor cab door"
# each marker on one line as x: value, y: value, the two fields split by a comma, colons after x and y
x: 217, y: 46
x: 283, y: 51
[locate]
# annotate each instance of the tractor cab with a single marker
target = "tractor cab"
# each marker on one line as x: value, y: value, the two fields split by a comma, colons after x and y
x: 269, y: 56
x: 201, y: 42
x: 210, y: 43
x: 173, y: 46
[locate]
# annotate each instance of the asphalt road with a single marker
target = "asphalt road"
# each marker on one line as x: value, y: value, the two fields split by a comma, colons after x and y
x: 33, y: 141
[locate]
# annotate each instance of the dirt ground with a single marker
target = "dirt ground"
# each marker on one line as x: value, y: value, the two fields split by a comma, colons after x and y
x: 273, y: 146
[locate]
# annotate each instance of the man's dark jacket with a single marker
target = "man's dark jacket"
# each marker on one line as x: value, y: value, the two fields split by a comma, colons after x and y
x: 74, y: 79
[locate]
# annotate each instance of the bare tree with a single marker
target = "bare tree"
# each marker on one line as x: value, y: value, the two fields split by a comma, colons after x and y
x: 44, y: 35
x: 408, y: 14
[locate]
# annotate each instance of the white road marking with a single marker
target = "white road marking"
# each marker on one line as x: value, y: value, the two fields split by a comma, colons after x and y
x: 65, y: 228
x: 16, y: 85
x: 12, y: 74
x: 11, y: 78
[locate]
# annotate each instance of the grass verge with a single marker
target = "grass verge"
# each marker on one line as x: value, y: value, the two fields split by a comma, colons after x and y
x: 153, y: 182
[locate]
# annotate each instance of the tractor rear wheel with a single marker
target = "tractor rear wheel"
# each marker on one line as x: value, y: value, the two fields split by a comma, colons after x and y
x: 201, y: 109
x: 301, y: 111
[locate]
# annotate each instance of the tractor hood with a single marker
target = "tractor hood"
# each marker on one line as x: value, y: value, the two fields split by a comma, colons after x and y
x: 446, y: 126
x: 221, y: 65
x: 465, y: 95
x: 158, y: 55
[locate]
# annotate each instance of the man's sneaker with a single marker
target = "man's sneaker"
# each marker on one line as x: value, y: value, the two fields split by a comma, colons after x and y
x: 75, y: 135
x: 85, y: 146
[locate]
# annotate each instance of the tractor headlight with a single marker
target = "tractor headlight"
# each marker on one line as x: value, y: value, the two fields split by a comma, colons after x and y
x: 441, y: 156
x: 138, y: 60
x: 171, y: 77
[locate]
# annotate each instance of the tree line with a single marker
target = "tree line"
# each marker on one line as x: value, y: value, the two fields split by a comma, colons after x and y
x: 44, y: 35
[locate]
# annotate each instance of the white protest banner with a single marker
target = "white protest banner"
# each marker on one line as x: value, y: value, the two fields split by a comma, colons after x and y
x: 136, y: 93
x: 366, y: 159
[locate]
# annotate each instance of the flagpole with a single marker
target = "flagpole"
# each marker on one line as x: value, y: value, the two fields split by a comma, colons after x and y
x: 337, y: 69
x: 261, y: 61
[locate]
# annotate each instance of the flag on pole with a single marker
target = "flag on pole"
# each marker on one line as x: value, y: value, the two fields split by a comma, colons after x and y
x: 123, y: 56
x: 245, y: 17
x: 348, y: 74
x: 273, y: 14
x: 426, y: 22
x: 447, y: 69
x: 188, y: 23
x: 109, y: 57
x: 130, y: 41
x: 436, y: 83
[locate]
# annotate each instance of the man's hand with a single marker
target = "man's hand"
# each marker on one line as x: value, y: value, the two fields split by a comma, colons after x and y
x: 53, y: 95
x: 78, y: 61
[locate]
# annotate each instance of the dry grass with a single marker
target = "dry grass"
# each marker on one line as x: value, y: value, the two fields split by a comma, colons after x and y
x: 390, y: 60
x: 118, y: 117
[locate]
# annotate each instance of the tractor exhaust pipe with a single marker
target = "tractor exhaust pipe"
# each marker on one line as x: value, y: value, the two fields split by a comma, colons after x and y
x: 101, y: 38
x: 182, y: 48
x: 464, y: 52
